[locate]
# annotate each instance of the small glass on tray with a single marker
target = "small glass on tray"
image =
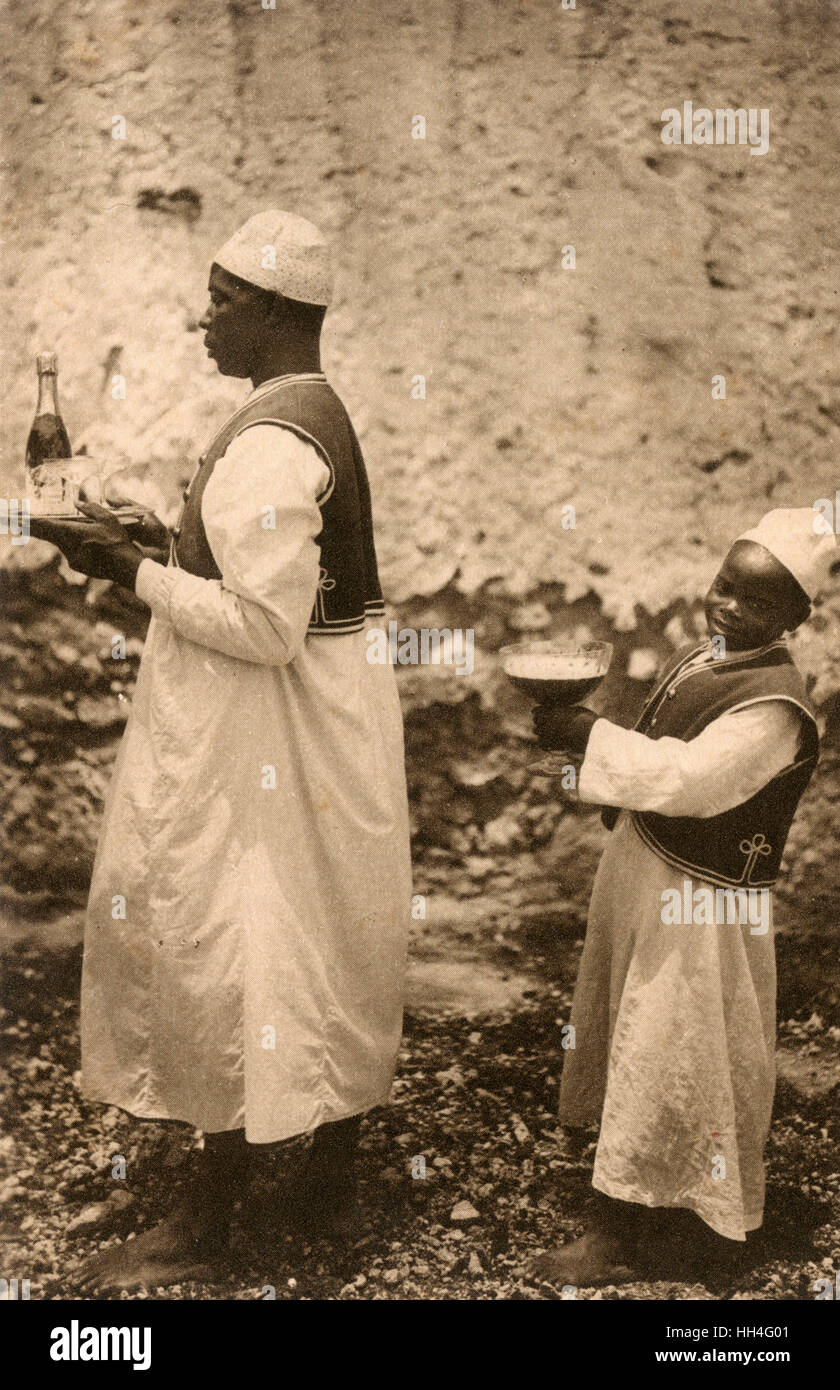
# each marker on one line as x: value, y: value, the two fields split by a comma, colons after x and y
x: 55, y: 486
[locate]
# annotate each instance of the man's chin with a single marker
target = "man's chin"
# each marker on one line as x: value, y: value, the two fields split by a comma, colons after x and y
x: 734, y: 641
x: 226, y: 368
x: 730, y: 638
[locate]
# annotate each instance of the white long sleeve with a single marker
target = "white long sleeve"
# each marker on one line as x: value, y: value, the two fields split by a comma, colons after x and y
x: 732, y: 759
x: 261, y: 607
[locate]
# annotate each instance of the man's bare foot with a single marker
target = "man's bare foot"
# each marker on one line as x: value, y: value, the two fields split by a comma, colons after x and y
x: 598, y: 1257
x: 168, y: 1254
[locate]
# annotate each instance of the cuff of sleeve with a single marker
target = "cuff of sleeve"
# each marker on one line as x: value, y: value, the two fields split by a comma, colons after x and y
x: 154, y: 586
x: 596, y: 761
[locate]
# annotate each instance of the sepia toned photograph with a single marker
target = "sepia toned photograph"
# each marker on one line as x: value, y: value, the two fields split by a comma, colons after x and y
x: 420, y: 606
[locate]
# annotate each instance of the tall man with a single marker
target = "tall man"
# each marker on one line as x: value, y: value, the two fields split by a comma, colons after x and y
x: 246, y: 930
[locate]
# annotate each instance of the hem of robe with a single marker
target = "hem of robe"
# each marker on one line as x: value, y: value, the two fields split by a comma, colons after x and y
x: 624, y: 1193
x: 139, y: 1113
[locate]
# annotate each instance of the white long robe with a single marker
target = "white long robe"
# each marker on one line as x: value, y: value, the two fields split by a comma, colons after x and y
x: 675, y: 1025
x: 257, y: 829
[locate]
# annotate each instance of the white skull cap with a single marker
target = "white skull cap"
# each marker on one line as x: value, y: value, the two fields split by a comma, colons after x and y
x: 802, y: 540
x: 281, y: 252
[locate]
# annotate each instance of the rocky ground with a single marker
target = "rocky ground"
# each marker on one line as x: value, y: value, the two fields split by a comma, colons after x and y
x: 475, y: 1097
x: 493, y: 966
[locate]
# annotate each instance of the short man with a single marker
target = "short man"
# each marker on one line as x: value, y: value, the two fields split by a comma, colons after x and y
x: 246, y: 931
x: 675, y: 1009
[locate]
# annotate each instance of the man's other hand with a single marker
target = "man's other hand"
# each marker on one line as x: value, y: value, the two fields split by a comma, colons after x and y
x: 99, y: 548
x: 149, y: 531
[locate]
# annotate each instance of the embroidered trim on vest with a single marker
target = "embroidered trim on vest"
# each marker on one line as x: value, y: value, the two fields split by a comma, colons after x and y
x: 682, y: 670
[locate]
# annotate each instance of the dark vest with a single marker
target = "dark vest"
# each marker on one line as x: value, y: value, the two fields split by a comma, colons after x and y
x: 742, y: 847
x: 348, y: 585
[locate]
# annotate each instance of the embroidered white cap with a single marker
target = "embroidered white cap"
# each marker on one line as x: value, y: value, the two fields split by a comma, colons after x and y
x: 802, y: 540
x: 281, y: 252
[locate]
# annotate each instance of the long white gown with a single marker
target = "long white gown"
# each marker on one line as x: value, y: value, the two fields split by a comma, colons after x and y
x: 675, y: 1025
x: 256, y: 830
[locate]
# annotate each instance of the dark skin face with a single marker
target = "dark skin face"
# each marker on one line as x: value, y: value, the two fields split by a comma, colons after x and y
x: 753, y: 598
x: 250, y: 334
x: 752, y: 601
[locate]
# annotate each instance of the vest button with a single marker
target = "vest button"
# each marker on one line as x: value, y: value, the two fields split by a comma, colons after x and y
x: 185, y: 494
x: 176, y: 531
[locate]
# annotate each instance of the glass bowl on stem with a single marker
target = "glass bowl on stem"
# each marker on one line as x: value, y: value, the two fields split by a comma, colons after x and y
x: 556, y: 673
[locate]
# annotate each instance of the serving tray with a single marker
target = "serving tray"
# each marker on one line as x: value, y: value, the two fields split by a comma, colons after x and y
x: 121, y: 513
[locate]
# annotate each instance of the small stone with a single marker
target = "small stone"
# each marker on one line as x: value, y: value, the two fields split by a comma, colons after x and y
x: 470, y: 775
x: 475, y: 1266
x: 66, y: 654
x: 98, y: 714
x: 453, y: 1076
x: 10, y: 1189
x: 121, y: 1200
x: 37, y: 1065
x: 504, y: 832
x: 391, y: 1276
x: 463, y: 1213
x: 89, y: 1219
x: 521, y: 1131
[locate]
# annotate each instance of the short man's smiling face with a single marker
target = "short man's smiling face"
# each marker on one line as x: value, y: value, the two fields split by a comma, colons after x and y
x: 753, y: 598
x: 234, y: 323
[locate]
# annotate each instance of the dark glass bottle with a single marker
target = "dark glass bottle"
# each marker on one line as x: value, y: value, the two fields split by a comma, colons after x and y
x: 47, y: 438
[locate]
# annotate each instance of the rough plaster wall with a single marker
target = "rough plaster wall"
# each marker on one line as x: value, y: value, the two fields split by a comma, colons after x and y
x: 545, y: 386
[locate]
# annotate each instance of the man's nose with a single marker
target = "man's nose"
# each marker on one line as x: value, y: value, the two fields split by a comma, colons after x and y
x: 204, y: 321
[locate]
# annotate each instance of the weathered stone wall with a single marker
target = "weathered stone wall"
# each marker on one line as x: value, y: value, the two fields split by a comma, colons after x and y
x: 544, y: 386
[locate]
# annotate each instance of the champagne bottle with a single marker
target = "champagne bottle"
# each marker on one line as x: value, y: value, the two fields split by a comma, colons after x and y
x: 47, y: 438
